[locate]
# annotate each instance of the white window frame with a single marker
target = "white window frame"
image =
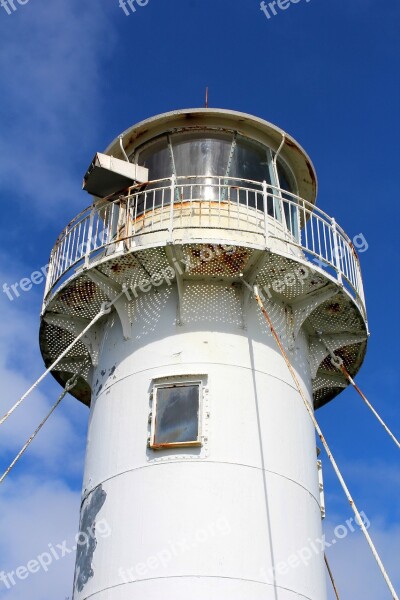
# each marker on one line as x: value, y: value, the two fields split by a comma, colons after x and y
x: 171, y: 384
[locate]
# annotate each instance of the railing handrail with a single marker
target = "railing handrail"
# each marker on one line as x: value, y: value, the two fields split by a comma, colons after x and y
x: 140, y: 187
x: 147, y: 186
x: 75, y: 241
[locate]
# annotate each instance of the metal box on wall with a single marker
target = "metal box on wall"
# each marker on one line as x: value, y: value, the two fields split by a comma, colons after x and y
x: 108, y: 175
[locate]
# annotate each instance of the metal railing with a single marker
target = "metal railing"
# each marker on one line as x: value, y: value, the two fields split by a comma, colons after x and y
x: 201, y: 202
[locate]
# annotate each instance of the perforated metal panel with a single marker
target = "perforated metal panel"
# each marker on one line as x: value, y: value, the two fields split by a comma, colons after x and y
x: 337, y: 315
x: 80, y: 297
x: 293, y: 279
x: 211, y: 290
x: 216, y: 260
x: 211, y: 302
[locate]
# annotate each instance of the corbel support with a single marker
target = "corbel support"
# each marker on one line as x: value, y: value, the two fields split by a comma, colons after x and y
x: 302, y: 309
x: 175, y: 263
x: 323, y: 345
x: 250, y: 277
x: 117, y: 295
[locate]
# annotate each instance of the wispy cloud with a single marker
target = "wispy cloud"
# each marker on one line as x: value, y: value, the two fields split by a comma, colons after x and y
x: 356, y: 571
x: 51, y: 106
x: 33, y: 514
x: 51, y: 82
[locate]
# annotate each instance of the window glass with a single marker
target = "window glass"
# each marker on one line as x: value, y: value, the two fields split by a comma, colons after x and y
x: 201, y: 154
x: 157, y: 158
x: 250, y: 161
x: 210, y: 156
x: 284, y: 179
x: 289, y: 203
x: 207, y: 154
x: 176, y: 419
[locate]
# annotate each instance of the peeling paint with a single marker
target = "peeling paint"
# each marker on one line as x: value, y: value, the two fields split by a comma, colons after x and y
x: 84, y: 555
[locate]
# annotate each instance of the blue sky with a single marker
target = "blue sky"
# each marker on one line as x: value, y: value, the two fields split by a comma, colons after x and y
x: 74, y: 75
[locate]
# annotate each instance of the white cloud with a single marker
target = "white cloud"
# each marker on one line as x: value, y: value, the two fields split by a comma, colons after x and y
x: 33, y: 514
x: 50, y: 105
x: 51, y: 81
x: 355, y: 570
x: 51, y: 100
x: 375, y: 473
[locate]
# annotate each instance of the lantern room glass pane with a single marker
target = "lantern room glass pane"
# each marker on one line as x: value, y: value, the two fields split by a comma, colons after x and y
x: 290, y: 206
x: 177, y: 415
x: 201, y: 154
x: 213, y: 160
x: 157, y: 158
x: 250, y: 161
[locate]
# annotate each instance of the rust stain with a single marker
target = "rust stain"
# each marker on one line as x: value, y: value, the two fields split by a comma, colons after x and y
x: 217, y: 260
x: 118, y: 268
x: 348, y: 354
x: 181, y: 204
x: 127, y: 263
x: 80, y: 292
x: 136, y: 135
x: 353, y: 249
x: 334, y: 308
x: 237, y: 260
x: 295, y: 148
x: 288, y: 142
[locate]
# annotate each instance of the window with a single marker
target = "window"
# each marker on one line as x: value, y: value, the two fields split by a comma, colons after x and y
x: 290, y: 203
x: 176, y: 416
x: 250, y: 161
x: 201, y: 153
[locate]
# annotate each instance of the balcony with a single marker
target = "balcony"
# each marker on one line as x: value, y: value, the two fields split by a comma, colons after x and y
x: 219, y: 210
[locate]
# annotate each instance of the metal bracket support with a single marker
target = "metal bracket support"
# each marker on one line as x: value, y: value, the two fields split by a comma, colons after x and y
x: 303, y: 308
x: 118, y: 296
x: 321, y: 348
x: 173, y: 261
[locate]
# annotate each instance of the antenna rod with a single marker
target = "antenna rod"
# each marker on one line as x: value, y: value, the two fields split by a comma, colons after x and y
x: 206, y: 104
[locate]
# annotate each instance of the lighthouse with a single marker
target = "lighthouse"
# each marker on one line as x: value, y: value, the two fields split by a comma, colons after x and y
x: 201, y: 456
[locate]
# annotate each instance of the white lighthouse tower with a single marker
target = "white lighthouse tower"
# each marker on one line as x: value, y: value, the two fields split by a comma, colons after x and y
x: 201, y: 456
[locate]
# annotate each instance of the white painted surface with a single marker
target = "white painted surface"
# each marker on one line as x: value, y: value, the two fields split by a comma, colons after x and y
x: 225, y: 514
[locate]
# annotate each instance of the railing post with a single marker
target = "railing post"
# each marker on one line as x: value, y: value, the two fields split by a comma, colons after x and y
x: 361, y: 290
x: 171, y: 208
x: 49, y: 275
x: 359, y: 282
x: 89, y: 235
x: 265, y: 203
x: 336, y: 251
